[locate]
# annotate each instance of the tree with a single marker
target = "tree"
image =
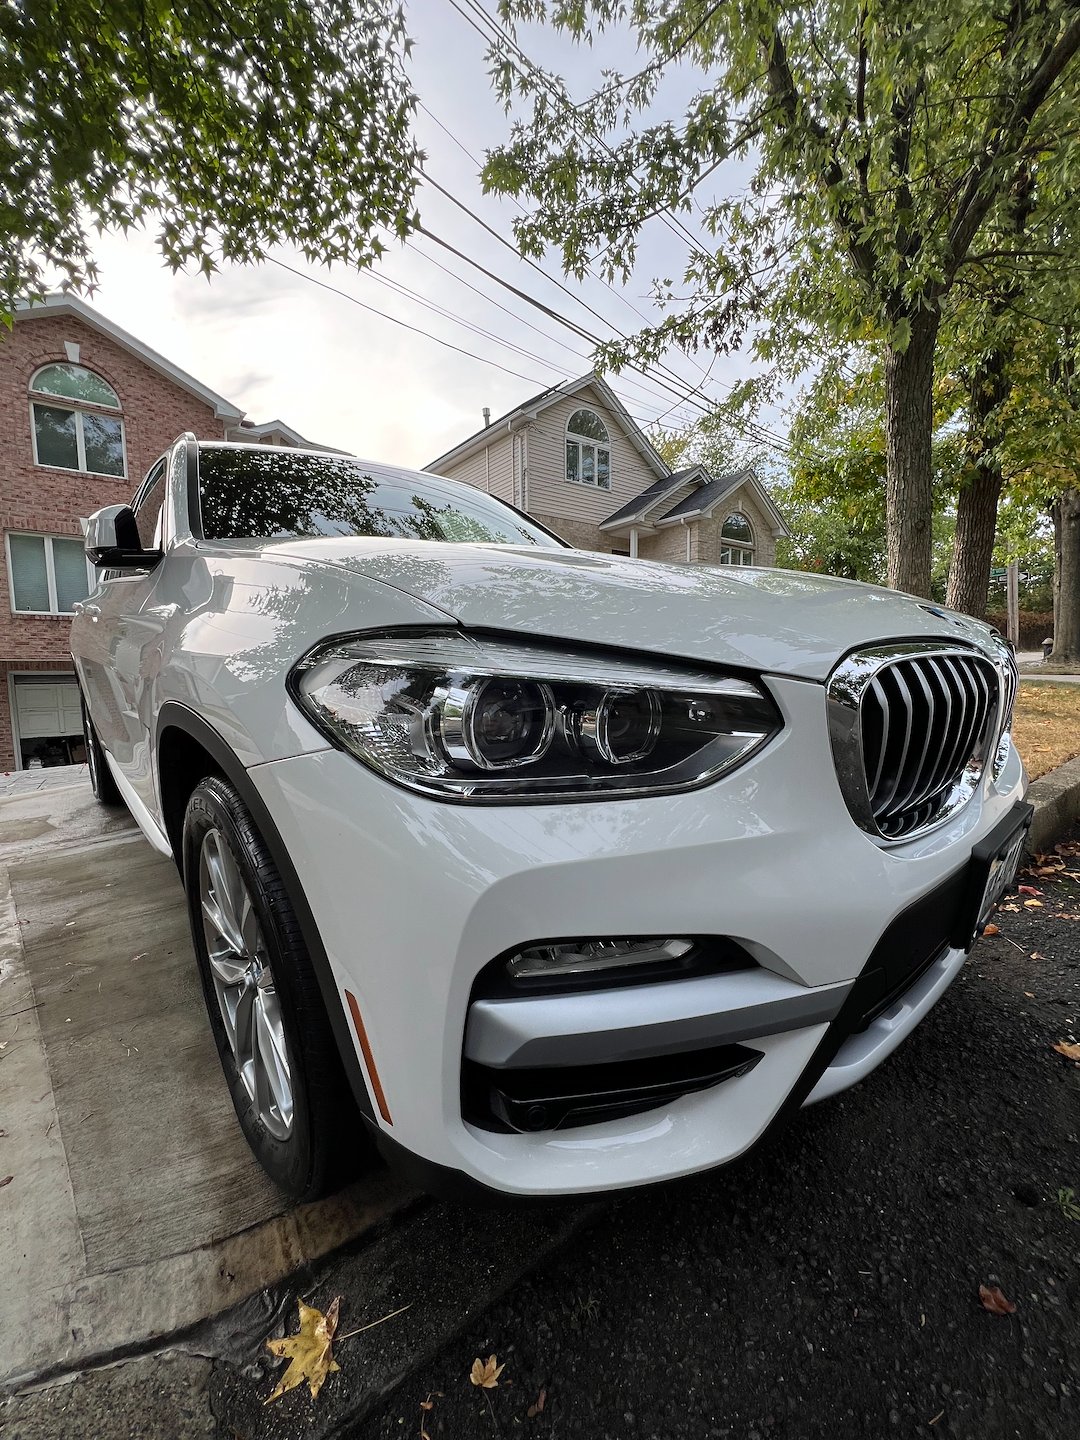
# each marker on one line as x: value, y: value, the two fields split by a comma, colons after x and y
x: 230, y: 127
x: 886, y: 140
x: 1042, y: 450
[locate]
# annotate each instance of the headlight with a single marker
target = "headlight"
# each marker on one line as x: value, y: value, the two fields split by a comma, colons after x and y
x: 480, y: 720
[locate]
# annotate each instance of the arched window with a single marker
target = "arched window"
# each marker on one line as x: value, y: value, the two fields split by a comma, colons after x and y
x: 588, y: 450
x: 78, y: 427
x: 736, y: 540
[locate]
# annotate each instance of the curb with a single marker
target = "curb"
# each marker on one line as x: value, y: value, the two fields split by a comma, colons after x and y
x: 1056, y: 798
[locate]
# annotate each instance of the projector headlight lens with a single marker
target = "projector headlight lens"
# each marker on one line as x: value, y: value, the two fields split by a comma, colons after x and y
x: 470, y: 719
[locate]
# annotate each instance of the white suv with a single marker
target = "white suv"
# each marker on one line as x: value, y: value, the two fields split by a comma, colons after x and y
x: 562, y: 872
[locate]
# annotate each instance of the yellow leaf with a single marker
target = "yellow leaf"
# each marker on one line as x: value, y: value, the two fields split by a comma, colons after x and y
x: 309, y: 1352
x: 486, y: 1373
x: 1071, y: 1052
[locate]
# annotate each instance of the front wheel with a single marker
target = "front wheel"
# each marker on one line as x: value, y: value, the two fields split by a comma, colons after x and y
x: 266, y: 1010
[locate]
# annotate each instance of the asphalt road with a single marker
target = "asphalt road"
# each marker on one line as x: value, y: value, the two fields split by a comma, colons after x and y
x: 828, y: 1284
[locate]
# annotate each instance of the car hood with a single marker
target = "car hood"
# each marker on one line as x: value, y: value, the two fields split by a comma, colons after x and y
x: 781, y: 621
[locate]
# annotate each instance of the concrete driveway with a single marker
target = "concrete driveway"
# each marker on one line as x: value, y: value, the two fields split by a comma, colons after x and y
x: 130, y: 1207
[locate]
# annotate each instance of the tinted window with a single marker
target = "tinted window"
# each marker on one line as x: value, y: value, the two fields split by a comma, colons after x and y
x: 249, y: 493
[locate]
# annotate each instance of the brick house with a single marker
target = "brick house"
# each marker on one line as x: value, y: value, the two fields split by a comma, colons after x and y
x: 575, y: 459
x: 85, y: 410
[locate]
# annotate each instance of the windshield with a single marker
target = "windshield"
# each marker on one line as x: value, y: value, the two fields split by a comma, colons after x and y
x: 251, y: 493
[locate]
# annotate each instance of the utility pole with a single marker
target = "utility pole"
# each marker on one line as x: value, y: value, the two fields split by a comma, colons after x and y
x: 1012, y: 600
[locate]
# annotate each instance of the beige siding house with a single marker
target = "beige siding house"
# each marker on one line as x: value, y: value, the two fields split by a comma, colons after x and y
x: 573, y: 458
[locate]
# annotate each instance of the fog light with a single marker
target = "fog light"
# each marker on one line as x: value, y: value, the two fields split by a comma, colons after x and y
x: 581, y: 957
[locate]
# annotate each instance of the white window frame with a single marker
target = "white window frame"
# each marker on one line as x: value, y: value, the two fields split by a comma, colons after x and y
x: 737, y: 552
x: 50, y: 571
x: 584, y: 442
x: 74, y: 407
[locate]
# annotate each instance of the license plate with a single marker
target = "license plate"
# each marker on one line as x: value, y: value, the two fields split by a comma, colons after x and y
x: 994, y: 863
x: 1003, y: 870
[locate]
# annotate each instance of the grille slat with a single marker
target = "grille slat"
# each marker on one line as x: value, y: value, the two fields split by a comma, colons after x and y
x: 923, y: 720
x: 908, y: 794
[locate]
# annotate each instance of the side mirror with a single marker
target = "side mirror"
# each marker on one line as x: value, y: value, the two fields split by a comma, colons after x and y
x: 112, y: 541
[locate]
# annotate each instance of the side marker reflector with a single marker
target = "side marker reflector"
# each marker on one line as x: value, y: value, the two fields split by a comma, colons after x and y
x: 369, y: 1059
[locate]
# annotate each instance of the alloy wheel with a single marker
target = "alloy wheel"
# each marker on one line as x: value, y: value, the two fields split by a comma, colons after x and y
x: 244, y: 984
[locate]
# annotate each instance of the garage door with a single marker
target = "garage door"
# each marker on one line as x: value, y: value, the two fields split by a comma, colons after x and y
x: 48, y: 720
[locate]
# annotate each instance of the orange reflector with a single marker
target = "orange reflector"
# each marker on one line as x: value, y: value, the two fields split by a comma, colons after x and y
x: 369, y: 1059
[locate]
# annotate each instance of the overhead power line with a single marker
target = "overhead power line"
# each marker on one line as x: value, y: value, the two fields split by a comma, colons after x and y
x: 517, y: 203
x: 394, y: 320
x: 438, y: 340
x: 574, y: 116
x: 684, y: 397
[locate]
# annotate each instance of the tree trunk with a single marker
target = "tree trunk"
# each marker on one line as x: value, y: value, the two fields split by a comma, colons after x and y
x: 1066, y: 511
x: 973, y: 548
x: 980, y: 490
x: 909, y: 424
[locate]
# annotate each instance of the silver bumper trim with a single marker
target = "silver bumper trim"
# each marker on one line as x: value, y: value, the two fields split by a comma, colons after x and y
x: 635, y: 1022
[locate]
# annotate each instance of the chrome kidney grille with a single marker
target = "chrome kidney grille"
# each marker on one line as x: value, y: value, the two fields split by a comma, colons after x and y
x: 912, y: 728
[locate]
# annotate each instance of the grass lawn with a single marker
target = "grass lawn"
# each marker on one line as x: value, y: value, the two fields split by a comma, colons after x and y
x: 1046, y: 725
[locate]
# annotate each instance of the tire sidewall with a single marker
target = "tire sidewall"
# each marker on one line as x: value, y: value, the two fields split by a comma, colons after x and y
x: 104, y: 787
x: 215, y: 806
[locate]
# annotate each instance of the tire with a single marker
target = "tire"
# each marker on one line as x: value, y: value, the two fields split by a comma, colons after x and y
x: 266, y: 1010
x: 105, y: 788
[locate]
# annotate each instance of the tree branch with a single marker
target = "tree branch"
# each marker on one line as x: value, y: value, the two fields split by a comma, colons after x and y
x: 977, y: 199
x: 784, y: 90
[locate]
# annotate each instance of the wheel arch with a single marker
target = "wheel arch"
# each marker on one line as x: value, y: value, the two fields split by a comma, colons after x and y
x: 187, y: 750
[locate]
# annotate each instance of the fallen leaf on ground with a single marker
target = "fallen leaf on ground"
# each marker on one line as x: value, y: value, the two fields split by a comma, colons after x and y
x: 1071, y: 1052
x: 1033, y: 904
x: 6, y: 1181
x: 309, y: 1352
x: 991, y: 930
x: 1036, y: 956
x: 486, y: 1373
x: 936, y: 1418
x: 537, y: 1409
x: 994, y: 1301
x: 1028, y: 890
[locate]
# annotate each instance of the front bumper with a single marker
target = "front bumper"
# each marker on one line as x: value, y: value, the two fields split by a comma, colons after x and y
x: 414, y: 897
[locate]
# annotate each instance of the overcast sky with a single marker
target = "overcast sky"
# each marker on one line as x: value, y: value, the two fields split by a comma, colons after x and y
x: 279, y: 346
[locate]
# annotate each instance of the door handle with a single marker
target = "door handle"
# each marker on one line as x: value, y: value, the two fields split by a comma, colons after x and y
x: 89, y: 609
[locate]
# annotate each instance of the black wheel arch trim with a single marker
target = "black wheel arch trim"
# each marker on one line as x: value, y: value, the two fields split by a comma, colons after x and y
x: 175, y: 716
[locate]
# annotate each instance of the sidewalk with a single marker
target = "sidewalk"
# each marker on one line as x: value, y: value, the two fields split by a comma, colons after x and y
x: 134, y: 1208
x: 1031, y: 663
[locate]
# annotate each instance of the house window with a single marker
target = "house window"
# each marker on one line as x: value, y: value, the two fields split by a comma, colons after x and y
x: 83, y: 431
x: 588, y: 450
x: 736, y: 540
x: 48, y: 573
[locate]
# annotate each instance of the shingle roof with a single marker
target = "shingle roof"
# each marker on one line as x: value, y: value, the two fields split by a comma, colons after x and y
x: 648, y: 498
x: 709, y: 495
x: 634, y: 433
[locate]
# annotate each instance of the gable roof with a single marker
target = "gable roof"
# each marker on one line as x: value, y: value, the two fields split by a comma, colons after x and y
x: 66, y: 304
x: 638, y: 508
x: 704, y: 500
x: 536, y: 404
x: 275, y: 432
